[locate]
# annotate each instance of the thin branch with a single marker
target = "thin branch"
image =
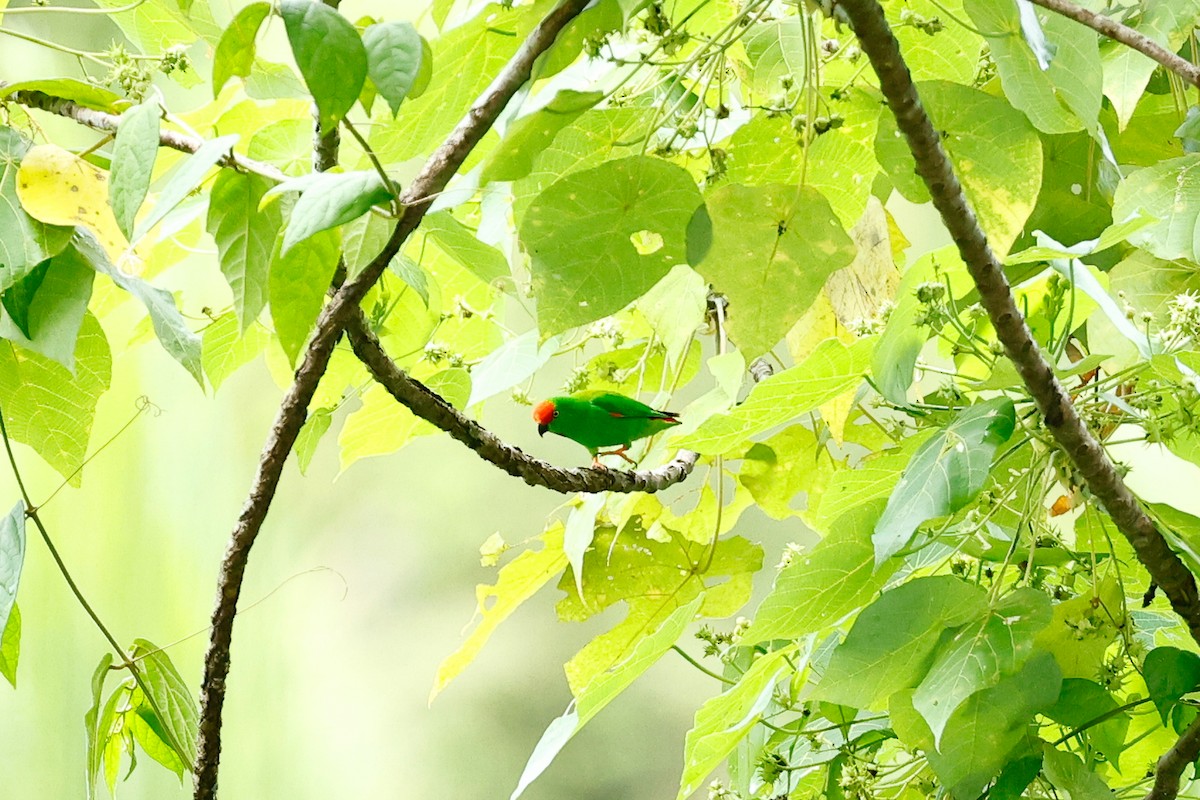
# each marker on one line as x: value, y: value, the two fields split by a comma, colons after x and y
x: 1173, y: 762
x: 106, y: 122
x: 430, y: 406
x: 1060, y: 416
x: 1127, y: 36
x: 434, y: 176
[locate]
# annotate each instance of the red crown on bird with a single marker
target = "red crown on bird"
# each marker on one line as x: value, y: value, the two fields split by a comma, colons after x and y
x: 543, y: 412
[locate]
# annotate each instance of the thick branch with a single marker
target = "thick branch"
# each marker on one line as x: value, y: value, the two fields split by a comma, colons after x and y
x: 1165, y: 568
x: 1174, y: 762
x: 432, y: 179
x: 428, y: 405
x: 1126, y: 36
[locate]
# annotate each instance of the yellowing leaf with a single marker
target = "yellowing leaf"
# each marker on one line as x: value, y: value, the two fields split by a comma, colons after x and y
x: 59, y: 188
x: 517, y: 582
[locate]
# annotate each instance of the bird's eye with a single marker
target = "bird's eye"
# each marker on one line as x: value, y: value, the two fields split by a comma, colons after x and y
x: 555, y: 414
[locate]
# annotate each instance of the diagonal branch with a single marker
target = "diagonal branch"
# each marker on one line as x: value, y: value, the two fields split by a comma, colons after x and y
x: 1165, y: 568
x: 434, y: 176
x: 1106, y: 26
x: 430, y: 406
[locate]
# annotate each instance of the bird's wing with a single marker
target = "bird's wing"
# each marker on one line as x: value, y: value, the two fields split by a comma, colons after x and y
x: 618, y: 405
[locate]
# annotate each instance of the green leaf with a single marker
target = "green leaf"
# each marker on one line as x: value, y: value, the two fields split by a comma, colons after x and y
x: 134, y: 153
x: 604, y: 690
x: 1169, y: 192
x: 517, y: 582
x: 18, y: 297
x: 1061, y: 99
x: 149, y: 733
x: 329, y: 199
x: 945, y: 473
x: 773, y: 247
x: 310, y: 435
x: 674, y: 307
x: 460, y: 243
x: 24, y: 242
x: 364, y: 238
x: 1170, y: 673
x: 832, y: 369
x: 245, y: 236
x: 508, y: 365
x: 1083, y: 628
x: 986, y: 731
x: 1074, y: 779
x: 1015, y: 778
x: 10, y: 646
x: 951, y: 54
x: 467, y: 58
x: 383, y: 426
x: 895, y: 357
x: 97, y: 734
x: 183, y: 180
x: 330, y: 55
x: 978, y: 655
x: 579, y: 235
x: 180, y: 342
x: 995, y: 152
x: 776, y: 470
x: 725, y: 720
x: 296, y: 288
x: 396, y: 55
x: 12, y: 559
x: 1126, y: 71
x: 171, y: 694
x: 55, y: 311
x: 820, y: 587
x: 1080, y: 705
x: 893, y: 641
x: 79, y: 92
x: 236, y: 49
x: 48, y: 408
x: 155, y: 26
x: 225, y: 348
x: 653, y: 578
x: 531, y: 134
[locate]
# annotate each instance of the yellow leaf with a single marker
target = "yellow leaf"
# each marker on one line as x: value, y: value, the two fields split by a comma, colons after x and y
x: 59, y: 188
x: 516, y: 583
x: 859, y: 291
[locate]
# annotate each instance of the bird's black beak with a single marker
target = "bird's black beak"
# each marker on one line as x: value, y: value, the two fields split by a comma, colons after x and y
x: 542, y: 429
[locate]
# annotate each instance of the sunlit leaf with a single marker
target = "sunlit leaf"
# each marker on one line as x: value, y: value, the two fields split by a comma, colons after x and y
x: 329, y: 199
x: 49, y: 408
x: 235, y: 51
x: 225, y: 348
x: 172, y: 696
x: 10, y: 646
x: 773, y: 247
x: 517, y: 582
x: 183, y: 179
x: 833, y: 368
x: 531, y: 134
x: 12, y: 560
x: 578, y: 234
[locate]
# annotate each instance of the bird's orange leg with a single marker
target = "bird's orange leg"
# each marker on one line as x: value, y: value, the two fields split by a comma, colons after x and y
x: 621, y: 452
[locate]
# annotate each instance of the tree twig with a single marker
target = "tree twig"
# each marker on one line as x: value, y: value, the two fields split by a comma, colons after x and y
x: 1126, y: 35
x: 434, y: 176
x: 1165, y: 568
x: 430, y: 406
x: 1173, y: 762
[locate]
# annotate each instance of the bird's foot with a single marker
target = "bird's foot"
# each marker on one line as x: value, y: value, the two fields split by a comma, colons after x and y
x: 620, y: 452
x: 596, y: 463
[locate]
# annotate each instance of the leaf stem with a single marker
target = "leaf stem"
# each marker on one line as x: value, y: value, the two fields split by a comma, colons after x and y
x: 701, y: 667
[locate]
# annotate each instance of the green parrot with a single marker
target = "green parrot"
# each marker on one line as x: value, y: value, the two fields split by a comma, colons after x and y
x: 601, y: 419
